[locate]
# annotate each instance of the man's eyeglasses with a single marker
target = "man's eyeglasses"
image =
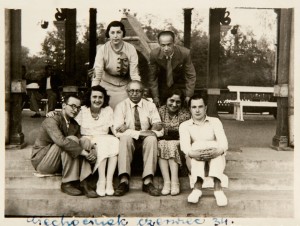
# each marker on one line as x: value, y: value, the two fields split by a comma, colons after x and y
x: 132, y: 91
x: 75, y: 107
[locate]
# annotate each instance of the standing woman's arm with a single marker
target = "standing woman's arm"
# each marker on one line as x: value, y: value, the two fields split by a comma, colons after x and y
x: 98, y: 66
x: 133, y: 64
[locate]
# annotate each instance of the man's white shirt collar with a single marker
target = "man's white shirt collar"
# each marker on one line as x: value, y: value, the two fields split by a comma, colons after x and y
x: 139, y: 104
x: 192, y: 122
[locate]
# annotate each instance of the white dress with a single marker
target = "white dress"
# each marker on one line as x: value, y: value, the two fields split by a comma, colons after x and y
x: 97, y: 132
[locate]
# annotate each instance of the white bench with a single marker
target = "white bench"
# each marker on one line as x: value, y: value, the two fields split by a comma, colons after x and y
x: 45, y: 103
x: 240, y: 104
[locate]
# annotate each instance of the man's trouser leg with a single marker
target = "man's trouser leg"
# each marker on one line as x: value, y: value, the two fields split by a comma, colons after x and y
x: 52, y: 99
x: 149, y: 155
x: 35, y: 99
x: 51, y: 163
x: 86, y: 169
x: 125, y: 156
x: 57, y: 159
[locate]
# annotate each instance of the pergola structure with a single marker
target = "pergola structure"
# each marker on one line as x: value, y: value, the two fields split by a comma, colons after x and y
x: 284, y: 88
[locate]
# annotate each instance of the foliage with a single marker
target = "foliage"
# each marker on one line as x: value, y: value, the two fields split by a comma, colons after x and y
x: 199, y: 54
x: 244, y: 58
x: 53, y: 49
x: 246, y: 61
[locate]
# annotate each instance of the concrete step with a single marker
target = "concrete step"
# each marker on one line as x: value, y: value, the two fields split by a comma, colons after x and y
x: 245, y: 160
x: 253, y: 159
x: 52, y: 202
x: 237, y: 181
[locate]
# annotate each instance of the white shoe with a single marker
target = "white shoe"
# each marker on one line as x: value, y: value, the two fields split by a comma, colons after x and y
x: 109, y: 188
x: 220, y: 198
x: 175, y: 188
x: 195, y: 196
x: 166, y: 188
x: 101, y: 188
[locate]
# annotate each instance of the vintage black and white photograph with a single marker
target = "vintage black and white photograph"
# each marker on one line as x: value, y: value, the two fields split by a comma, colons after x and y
x: 148, y: 113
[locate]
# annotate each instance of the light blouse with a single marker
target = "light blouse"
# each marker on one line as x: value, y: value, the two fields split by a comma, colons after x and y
x: 108, y: 65
x: 90, y: 126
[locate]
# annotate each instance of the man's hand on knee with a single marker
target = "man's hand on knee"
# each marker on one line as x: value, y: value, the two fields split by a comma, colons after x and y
x: 210, y: 154
x: 121, y: 129
x: 91, y: 157
x: 157, y: 126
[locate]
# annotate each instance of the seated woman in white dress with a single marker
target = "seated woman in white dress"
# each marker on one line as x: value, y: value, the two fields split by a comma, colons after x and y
x: 95, y: 120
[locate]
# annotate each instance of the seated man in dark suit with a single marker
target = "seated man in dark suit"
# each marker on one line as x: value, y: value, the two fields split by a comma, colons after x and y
x: 59, y: 148
x: 170, y: 66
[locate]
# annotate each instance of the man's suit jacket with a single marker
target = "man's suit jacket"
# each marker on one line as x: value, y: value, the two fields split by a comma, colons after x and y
x: 183, y: 70
x: 54, y: 131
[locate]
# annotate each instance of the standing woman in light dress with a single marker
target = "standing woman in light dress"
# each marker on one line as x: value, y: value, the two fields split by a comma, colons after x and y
x: 116, y: 63
x: 95, y: 120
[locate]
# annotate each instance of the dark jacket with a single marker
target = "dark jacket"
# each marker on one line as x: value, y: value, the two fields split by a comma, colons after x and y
x: 54, y: 131
x: 183, y: 70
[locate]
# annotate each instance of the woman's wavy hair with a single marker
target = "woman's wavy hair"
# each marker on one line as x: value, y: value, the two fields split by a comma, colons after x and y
x: 172, y: 92
x: 87, y: 98
x: 115, y: 24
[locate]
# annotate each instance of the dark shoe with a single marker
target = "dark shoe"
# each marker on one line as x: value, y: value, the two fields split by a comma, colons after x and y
x: 151, y: 190
x: 36, y: 115
x: 87, y: 190
x: 69, y: 189
x: 122, y: 189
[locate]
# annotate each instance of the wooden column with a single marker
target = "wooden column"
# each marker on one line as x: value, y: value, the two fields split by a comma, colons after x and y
x: 92, y: 37
x: 291, y: 86
x: 7, y: 73
x: 13, y: 84
x: 187, y: 26
x: 70, y: 54
x: 280, y: 140
x: 213, y: 89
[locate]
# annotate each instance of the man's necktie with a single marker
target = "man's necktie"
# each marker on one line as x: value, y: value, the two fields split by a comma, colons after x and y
x: 169, y: 72
x: 137, y: 122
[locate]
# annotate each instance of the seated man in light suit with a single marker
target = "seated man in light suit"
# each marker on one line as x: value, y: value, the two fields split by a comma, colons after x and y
x: 203, y: 139
x: 59, y: 148
x: 137, y: 124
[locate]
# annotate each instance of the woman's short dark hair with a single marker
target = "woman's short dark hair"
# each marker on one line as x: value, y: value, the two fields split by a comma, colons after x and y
x: 115, y: 24
x: 172, y: 92
x: 87, y: 99
x: 202, y: 96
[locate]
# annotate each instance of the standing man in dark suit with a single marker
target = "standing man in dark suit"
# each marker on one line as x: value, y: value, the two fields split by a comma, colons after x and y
x: 51, y: 83
x: 48, y: 87
x: 60, y: 148
x: 169, y: 67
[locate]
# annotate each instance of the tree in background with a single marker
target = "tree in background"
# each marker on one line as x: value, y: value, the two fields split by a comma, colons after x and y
x: 244, y: 60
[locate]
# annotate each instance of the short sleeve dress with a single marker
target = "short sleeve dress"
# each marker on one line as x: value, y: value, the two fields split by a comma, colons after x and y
x: 97, y: 131
x: 168, y: 145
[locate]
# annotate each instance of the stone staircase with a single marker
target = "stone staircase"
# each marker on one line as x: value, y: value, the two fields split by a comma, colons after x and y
x: 260, y: 186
